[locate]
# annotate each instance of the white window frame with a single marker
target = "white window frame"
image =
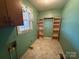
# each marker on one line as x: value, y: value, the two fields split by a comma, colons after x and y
x: 29, y: 18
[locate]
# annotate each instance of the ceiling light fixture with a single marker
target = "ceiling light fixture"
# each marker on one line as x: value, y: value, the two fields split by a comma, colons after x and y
x: 46, y: 1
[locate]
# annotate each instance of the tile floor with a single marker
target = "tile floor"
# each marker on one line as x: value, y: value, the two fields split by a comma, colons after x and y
x: 44, y: 49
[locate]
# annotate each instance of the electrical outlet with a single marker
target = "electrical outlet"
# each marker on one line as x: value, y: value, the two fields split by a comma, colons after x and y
x: 12, y: 45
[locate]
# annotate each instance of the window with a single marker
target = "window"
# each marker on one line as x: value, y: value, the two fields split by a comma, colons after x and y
x: 27, y: 19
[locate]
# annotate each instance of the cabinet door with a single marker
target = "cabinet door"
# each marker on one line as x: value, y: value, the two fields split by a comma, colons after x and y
x: 14, y: 12
x: 3, y: 14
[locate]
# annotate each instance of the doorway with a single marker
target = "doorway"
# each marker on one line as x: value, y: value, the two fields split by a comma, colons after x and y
x: 48, y: 27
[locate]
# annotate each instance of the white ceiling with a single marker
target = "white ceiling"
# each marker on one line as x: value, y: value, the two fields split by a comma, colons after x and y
x: 42, y: 5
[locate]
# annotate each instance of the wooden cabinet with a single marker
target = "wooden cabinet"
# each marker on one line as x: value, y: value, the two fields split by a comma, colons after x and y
x: 3, y: 14
x: 10, y: 13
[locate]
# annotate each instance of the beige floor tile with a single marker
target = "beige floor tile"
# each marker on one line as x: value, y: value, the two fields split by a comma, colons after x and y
x: 44, y: 49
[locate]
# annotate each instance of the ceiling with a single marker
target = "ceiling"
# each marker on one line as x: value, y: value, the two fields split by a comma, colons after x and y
x: 43, y: 5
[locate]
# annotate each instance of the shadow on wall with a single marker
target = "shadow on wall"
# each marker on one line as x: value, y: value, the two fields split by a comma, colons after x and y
x: 68, y: 47
x: 6, y: 35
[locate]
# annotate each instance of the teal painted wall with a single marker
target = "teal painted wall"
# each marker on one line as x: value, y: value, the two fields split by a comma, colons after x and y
x: 49, y: 13
x: 9, y: 34
x: 25, y: 40
x: 48, y: 27
x: 6, y: 35
x: 69, y: 35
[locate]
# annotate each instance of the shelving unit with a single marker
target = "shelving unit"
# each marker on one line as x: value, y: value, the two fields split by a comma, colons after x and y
x: 56, y: 28
x: 41, y: 28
